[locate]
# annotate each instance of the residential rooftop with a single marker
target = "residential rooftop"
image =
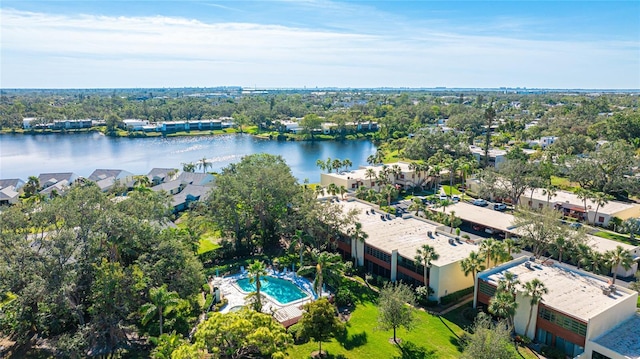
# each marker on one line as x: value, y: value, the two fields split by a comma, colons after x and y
x: 612, y: 207
x: 407, y: 235
x: 602, y: 245
x: 574, y: 292
x: 483, y: 215
x: 361, y: 173
x: 623, y: 339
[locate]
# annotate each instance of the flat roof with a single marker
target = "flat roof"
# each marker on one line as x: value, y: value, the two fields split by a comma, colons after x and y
x: 361, y: 173
x: 623, y: 339
x: 407, y: 235
x: 573, y: 292
x: 611, y: 207
x: 483, y: 215
x: 602, y: 245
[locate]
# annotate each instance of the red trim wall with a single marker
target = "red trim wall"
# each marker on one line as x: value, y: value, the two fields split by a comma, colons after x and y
x: 377, y: 261
x: 344, y: 246
x: 411, y: 274
x: 557, y: 330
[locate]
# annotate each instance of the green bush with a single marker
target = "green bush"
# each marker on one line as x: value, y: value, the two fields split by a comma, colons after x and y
x: 296, y: 332
x: 553, y: 352
x: 455, y: 296
x: 344, y: 297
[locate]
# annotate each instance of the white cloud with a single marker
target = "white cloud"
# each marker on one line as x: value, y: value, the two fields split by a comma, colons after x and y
x: 45, y: 50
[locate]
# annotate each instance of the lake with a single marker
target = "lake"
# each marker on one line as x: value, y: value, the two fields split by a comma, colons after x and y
x: 22, y: 156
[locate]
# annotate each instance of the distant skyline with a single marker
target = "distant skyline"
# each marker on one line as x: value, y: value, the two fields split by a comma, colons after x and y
x: 318, y: 43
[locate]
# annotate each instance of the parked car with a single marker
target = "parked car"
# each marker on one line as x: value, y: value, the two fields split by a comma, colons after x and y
x: 455, y: 198
x: 477, y: 227
x: 443, y: 197
x: 490, y: 230
x: 480, y: 202
x: 499, y: 206
x: 575, y: 225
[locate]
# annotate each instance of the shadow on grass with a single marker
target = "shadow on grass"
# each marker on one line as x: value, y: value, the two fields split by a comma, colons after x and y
x: 352, y: 341
x: 455, y: 340
x: 409, y: 350
x: 360, y: 291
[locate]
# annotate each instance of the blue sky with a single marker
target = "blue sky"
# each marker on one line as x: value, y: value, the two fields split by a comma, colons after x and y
x: 298, y: 43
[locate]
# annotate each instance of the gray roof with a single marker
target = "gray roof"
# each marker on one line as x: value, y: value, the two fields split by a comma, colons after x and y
x: 11, y: 182
x: 61, y: 176
x: 195, y: 178
x: 167, y: 186
x: 159, y: 172
x: 100, y: 174
x: 8, y: 193
x: 623, y: 339
x: 190, y: 190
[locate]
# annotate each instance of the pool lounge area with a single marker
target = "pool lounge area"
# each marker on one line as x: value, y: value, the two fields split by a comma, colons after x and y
x: 285, y: 292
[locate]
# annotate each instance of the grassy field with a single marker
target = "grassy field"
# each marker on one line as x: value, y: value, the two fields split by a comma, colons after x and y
x: 564, y: 183
x: 207, y: 244
x: 614, y: 236
x: 450, y: 190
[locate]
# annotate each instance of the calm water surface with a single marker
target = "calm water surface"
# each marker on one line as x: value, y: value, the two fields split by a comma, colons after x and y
x: 22, y: 156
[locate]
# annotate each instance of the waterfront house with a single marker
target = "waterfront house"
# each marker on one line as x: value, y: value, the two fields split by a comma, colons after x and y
x: 160, y: 175
x: 200, y: 179
x: 50, y: 179
x: 106, y: 178
x: 351, y: 180
x: 133, y: 124
x: 189, y: 194
x: 10, y: 190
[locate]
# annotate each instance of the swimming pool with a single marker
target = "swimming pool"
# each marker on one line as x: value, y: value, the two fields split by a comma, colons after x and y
x: 281, y: 290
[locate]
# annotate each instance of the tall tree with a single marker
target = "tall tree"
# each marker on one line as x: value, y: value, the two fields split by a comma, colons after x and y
x: 472, y: 265
x: 600, y: 199
x: 395, y: 308
x: 326, y: 267
x: 162, y: 302
x: 204, y: 164
x: 616, y: 258
x: 489, y: 340
x: 533, y: 289
x: 424, y: 256
x: 257, y: 270
x: 358, y: 236
x: 320, y: 322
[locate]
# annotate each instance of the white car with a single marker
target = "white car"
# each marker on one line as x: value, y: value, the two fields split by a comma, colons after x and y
x: 455, y: 198
x: 444, y: 197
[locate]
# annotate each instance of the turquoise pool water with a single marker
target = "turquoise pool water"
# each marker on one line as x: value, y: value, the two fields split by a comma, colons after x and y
x: 279, y: 289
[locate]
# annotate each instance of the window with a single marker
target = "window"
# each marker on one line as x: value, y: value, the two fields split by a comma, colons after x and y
x: 544, y: 337
x: 373, y: 184
x: 597, y: 355
x: 402, y: 176
x: 353, y: 185
x: 486, y: 288
x: 410, y: 265
x: 601, y: 219
x: 563, y: 321
x: 376, y: 253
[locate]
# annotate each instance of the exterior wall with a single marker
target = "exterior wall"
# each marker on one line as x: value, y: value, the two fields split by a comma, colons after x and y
x: 329, y: 178
x: 359, y: 251
x: 522, y: 316
x: 557, y: 330
x: 591, y: 347
x: 448, y: 279
x: 604, y: 321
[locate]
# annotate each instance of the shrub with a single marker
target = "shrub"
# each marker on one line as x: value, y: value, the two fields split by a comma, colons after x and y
x: 296, y: 332
x: 553, y: 352
x: 455, y: 296
x: 344, y: 297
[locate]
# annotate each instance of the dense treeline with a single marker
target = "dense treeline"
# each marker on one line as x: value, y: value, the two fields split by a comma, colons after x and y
x: 77, y: 269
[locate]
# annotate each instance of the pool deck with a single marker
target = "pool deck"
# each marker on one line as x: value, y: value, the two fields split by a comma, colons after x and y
x: 286, y: 314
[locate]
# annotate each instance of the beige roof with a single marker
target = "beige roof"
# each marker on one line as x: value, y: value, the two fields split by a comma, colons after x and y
x: 602, y: 245
x: 483, y: 215
x: 407, y: 235
x: 623, y: 339
x: 567, y: 197
x: 576, y: 293
x: 361, y: 173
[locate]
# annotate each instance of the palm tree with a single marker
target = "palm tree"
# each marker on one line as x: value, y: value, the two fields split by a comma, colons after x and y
x: 508, y: 283
x: 618, y: 257
x: 328, y: 266
x: 601, y: 199
x: 162, y: 302
x: 31, y: 187
x: 256, y: 270
x: 336, y: 164
x: 359, y: 236
x: 300, y: 239
x: 534, y: 289
x: 582, y: 255
x: 452, y: 218
x: 370, y: 173
x: 424, y: 256
x: 488, y: 248
x: 559, y: 246
x: 346, y: 163
x: 141, y: 181
x: 503, y: 305
x: 204, y: 164
x: 550, y: 191
x: 189, y: 167
x: 416, y: 205
x: 343, y: 191
x: 472, y: 265
x: 510, y: 245
x: 389, y: 191
x: 321, y: 165
x: 332, y: 189
x: 584, y: 195
x: 319, y: 191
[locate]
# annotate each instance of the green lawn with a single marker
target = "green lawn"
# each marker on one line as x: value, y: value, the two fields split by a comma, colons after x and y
x: 362, y: 341
x: 614, y: 236
x: 207, y: 244
x: 450, y: 190
x: 564, y: 183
